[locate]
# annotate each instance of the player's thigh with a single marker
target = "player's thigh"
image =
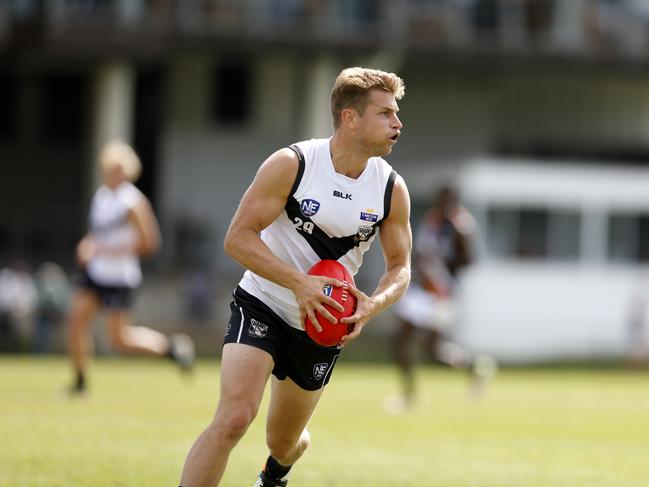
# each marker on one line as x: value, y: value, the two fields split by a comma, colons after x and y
x: 85, y: 304
x: 244, y: 373
x: 290, y: 409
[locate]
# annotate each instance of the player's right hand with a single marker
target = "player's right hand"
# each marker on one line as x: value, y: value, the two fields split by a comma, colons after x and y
x: 310, y: 298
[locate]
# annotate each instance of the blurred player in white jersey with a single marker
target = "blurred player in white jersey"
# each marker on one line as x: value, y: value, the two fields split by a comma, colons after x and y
x: 441, y: 249
x: 123, y: 228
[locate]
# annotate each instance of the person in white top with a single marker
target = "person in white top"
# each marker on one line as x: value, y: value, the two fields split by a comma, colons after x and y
x: 123, y: 228
x: 318, y: 199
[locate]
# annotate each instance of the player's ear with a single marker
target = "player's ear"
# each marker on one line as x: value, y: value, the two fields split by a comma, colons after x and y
x: 349, y: 118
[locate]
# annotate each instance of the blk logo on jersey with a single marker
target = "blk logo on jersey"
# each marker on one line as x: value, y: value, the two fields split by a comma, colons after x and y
x: 257, y: 329
x: 345, y: 196
x: 309, y: 207
x: 319, y: 371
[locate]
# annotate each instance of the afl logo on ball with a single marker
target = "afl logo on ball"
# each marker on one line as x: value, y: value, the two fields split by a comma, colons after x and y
x: 309, y: 207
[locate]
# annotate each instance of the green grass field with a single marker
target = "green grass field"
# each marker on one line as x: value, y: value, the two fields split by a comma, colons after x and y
x: 533, y: 428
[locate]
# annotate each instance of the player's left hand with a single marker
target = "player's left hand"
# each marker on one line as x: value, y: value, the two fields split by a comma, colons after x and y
x: 363, y: 313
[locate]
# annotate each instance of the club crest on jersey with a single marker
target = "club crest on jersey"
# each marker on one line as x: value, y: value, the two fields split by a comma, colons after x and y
x: 368, y: 215
x: 309, y: 207
x: 363, y: 233
x: 257, y: 329
x: 319, y: 371
x: 327, y: 290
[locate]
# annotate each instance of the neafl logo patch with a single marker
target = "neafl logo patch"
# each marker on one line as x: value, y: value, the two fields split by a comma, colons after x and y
x: 319, y: 371
x: 309, y: 207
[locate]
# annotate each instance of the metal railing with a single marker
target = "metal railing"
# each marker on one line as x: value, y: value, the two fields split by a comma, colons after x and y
x: 578, y: 27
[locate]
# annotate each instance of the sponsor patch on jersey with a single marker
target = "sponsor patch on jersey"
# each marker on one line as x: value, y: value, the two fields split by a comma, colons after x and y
x: 363, y: 233
x: 319, y: 371
x: 309, y: 207
x: 327, y: 290
x: 257, y: 329
x: 369, y: 216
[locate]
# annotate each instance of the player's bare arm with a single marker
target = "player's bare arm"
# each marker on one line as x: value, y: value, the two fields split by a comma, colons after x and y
x: 396, y: 242
x: 146, y: 224
x: 261, y: 204
x: 85, y: 250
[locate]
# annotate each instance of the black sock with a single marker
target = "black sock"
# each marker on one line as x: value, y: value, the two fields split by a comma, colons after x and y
x: 274, y: 470
x: 80, y: 383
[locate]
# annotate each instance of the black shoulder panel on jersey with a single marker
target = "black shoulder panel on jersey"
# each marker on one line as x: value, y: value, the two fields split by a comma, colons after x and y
x: 387, y: 196
x: 300, y: 169
x: 326, y: 247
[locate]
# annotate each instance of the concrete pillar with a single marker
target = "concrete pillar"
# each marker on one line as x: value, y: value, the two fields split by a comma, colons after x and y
x: 320, y: 78
x: 568, y: 29
x: 129, y: 12
x: 113, y: 110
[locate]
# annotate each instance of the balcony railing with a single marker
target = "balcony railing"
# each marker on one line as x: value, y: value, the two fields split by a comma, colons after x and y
x: 593, y: 28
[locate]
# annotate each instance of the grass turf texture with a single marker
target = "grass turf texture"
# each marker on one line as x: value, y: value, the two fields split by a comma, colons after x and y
x: 533, y: 428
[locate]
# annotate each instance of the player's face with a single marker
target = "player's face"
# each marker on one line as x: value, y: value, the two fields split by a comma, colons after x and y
x: 114, y: 176
x: 379, y: 126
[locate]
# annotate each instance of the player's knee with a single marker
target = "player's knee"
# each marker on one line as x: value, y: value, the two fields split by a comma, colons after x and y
x: 235, y: 422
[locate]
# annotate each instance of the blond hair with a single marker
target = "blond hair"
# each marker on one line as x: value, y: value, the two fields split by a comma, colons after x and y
x: 353, y: 85
x: 119, y: 154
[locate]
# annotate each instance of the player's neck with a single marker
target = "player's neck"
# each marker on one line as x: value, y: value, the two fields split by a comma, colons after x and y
x: 347, y: 157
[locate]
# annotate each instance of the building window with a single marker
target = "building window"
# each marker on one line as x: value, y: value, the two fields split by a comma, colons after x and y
x: 232, y: 100
x: 62, y: 108
x: 533, y: 233
x: 628, y: 237
x: 8, y: 104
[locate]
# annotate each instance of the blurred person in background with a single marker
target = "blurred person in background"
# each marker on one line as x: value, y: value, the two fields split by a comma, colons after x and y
x: 317, y: 199
x: 18, y: 298
x: 123, y: 228
x: 442, y: 248
x: 53, y: 290
x: 639, y: 324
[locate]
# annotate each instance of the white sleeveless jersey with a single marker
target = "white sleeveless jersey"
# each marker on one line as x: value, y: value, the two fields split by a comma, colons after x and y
x: 111, y: 228
x: 327, y: 216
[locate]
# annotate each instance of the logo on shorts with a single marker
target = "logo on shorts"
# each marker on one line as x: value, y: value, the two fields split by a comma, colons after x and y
x: 257, y: 329
x: 320, y: 370
x: 309, y: 207
x: 227, y: 330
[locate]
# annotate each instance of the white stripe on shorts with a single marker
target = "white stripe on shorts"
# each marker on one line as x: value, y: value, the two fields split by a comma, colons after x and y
x: 241, y: 325
x: 329, y: 370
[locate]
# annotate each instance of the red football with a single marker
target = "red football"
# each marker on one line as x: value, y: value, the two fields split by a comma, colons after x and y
x: 332, y: 332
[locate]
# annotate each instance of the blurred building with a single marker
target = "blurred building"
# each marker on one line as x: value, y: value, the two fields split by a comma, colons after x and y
x: 205, y: 89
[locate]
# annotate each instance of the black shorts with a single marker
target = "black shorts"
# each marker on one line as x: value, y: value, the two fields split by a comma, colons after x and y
x: 308, y: 364
x: 113, y: 297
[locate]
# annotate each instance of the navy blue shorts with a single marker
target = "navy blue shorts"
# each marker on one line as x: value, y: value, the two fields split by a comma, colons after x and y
x: 308, y: 364
x: 113, y: 297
